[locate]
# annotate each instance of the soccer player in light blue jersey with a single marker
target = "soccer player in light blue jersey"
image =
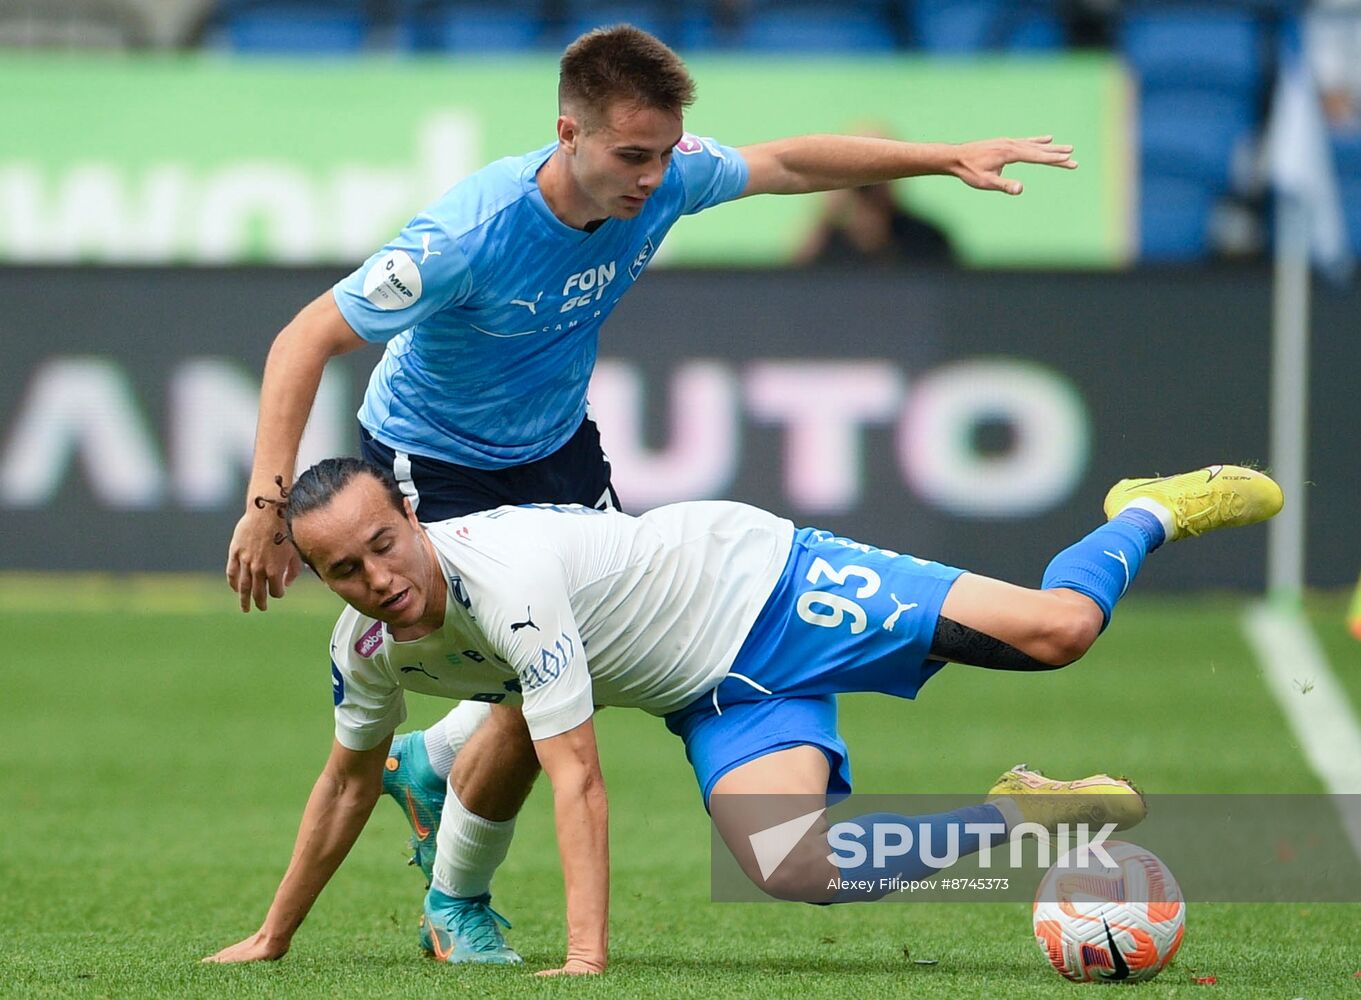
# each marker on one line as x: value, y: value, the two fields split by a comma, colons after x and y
x: 490, y: 304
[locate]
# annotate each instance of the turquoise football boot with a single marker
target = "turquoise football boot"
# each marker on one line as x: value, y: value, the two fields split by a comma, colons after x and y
x: 419, y: 791
x: 465, y: 930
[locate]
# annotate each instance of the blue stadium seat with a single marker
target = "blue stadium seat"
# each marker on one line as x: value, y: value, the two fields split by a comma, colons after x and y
x: 1192, y: 133
x: 963, y: 26
x: 283, y: 26
x: 1174, y: 219
x: 816, y: 27
x: 471, y: 25
x: 1193, y: 47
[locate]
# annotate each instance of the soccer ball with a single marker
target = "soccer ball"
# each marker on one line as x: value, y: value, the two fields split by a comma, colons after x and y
x: 1100, y: 924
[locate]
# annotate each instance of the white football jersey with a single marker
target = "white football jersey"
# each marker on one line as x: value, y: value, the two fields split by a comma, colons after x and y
x: 563, y: 608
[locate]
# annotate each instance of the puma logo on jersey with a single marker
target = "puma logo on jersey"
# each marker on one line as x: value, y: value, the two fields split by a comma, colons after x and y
x: 426, y: 252
x: 527, y: 623
x: 892, y: 619
x: 533, y: 307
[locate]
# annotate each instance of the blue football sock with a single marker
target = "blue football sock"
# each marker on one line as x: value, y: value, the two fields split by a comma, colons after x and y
x: 929, y: 853
x: 1104, y: 564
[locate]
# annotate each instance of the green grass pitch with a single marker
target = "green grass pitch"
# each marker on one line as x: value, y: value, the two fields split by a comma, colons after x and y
x: 158, y: 746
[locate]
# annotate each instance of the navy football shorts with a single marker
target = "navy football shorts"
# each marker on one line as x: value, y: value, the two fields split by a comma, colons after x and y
x: 578, y: 472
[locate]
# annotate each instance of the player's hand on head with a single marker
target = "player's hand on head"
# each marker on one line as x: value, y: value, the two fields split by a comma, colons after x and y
x: 980, y: 164
x: 258, y: 566
x: 256, y: 948
x: 575, y: 967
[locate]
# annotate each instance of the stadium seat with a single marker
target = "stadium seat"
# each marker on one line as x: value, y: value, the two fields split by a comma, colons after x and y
x: 1192, y: 133
x: 963, y: 26
x: 449, y: 25
x: 1174, y: 219
x: 282, y: 26
x: 1193, y: 47
x: 816, y: 27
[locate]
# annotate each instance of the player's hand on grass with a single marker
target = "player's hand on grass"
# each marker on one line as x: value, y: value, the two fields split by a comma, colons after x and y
x: 576, y: 967
x: 256, y: 948
x: 258, y: 566
x: 979, y: 164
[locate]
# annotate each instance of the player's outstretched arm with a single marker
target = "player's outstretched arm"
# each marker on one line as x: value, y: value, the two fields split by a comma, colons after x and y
x: 572, y: 763
x: 336, y: 811
x: 807, y: 163
x: 257, y: 567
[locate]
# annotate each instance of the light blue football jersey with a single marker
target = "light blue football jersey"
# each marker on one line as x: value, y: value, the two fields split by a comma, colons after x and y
x: 491, y: 307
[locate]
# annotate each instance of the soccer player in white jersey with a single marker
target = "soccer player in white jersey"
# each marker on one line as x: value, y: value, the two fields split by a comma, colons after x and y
x: 736, y: 628
x: 490, y: 303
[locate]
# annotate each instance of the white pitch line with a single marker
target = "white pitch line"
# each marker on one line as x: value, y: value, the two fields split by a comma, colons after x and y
x: 1321, y: 717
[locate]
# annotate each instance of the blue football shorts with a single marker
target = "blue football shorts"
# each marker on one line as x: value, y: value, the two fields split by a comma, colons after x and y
x: 844, y: 616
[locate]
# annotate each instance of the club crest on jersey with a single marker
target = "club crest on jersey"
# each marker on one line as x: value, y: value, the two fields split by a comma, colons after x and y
x: 370, y: 641
x: 640, y: 262
x: 394, y: 281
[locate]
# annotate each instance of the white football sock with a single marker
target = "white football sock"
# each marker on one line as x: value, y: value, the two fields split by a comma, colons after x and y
x: 1163, y: 515
x: 446, y: 738
x: 468, y: 850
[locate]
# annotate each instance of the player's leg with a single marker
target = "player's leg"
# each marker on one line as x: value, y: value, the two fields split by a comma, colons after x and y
x: 773, y: 790
x: 491, y: 777
x: 416, y: 775
x: 771, y: 811
x: 989, y: 623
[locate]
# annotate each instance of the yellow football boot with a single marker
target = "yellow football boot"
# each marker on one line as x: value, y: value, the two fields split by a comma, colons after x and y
x: 1219, y: 496
x: 1095, y: 801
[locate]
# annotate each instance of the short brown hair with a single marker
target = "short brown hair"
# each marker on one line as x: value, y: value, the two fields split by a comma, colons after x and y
x: 622, y: 63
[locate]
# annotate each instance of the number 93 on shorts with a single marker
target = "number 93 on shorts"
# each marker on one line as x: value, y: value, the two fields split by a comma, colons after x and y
x: 844, y: 616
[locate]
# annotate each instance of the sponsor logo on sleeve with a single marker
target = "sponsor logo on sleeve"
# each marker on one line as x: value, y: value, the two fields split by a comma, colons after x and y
x: 370, y: 641
x: 692, y: 144
x: 552, y: 661
x: 337, y: 684
x: 394, y: 281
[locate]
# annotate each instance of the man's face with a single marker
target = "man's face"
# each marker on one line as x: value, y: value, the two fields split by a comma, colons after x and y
x: 371, y: 554
x: 620, y: 162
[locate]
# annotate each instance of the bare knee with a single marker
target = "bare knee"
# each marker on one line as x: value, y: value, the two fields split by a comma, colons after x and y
x: 805, y: 876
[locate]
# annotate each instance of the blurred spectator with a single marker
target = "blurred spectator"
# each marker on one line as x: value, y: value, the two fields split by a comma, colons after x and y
x: 1333, y: 47
x: 866, y: 225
